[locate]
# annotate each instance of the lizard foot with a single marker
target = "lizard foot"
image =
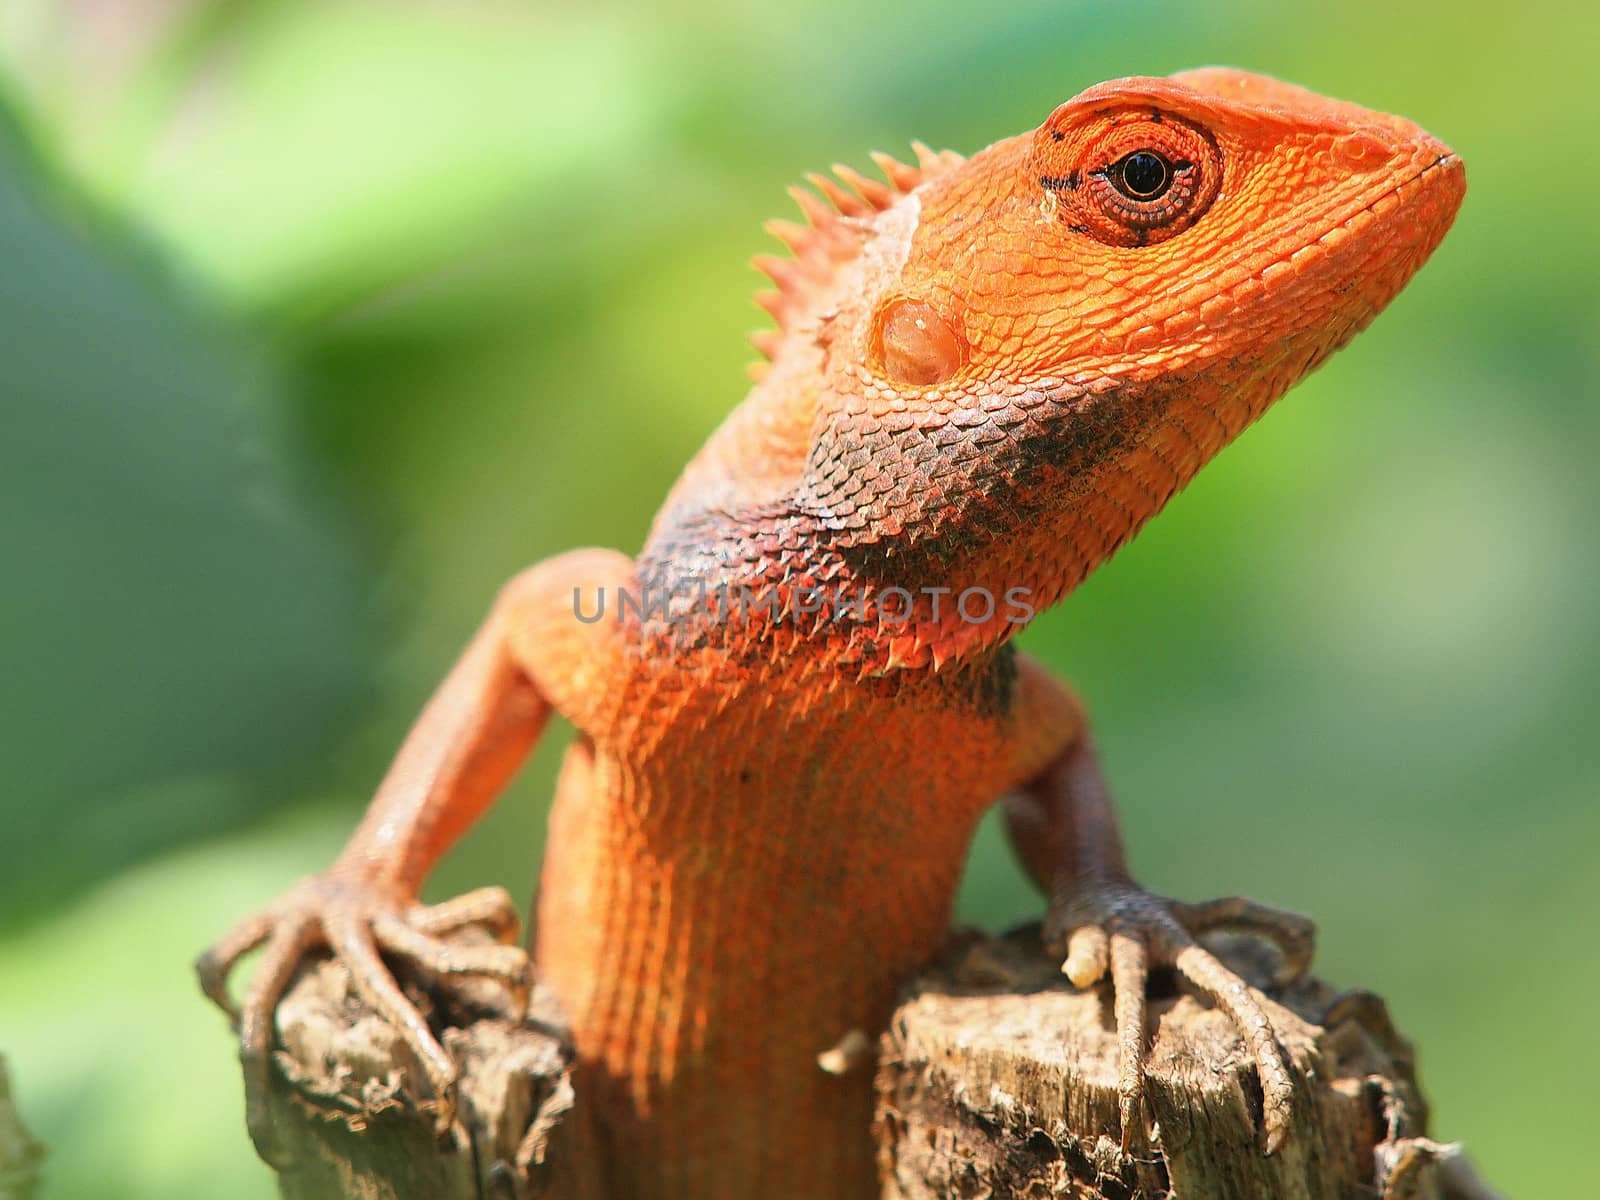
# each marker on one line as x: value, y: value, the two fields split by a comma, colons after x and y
x: 1122, y: 929
x: 357, y: 919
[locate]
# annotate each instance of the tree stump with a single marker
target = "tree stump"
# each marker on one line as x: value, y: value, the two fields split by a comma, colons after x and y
x: 996, y: 1079
x: 20, y: 1155
x: 348, y: 1121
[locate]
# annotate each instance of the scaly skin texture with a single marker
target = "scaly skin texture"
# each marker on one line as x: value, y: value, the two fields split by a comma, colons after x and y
x: 987, y: 375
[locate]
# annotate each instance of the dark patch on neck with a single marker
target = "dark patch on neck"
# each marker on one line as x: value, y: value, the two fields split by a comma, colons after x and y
x: 950, y: 489
x: 905, y: 501
x: 760, y: 547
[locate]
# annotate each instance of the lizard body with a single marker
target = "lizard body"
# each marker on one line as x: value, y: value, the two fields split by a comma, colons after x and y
x: 988, y: 373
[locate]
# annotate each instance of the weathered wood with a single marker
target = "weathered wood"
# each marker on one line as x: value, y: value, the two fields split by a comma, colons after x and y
x: 20, y: 1155
x: 348, y: 1125
x: 997, y: 1079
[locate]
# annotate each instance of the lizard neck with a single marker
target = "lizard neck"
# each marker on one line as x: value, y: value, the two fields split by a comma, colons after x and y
x: 958, y: 521
x: 1012, y: 497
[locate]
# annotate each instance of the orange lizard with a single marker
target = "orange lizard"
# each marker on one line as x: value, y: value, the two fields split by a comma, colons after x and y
x: 792, y: 707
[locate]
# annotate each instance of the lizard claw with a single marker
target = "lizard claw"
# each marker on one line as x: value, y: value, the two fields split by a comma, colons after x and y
x: 1123, y: 930
x: 357, y: 919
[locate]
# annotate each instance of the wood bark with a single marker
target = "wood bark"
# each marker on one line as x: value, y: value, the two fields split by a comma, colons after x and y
x: 996, y: 1079
x: 348, y: 1122
x: 21, y: 1157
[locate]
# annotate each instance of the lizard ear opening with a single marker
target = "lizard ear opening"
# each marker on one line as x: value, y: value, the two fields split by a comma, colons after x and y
x: 914, y: 343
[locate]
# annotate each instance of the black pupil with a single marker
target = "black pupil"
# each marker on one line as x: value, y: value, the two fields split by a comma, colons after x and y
x: 1145, y: 174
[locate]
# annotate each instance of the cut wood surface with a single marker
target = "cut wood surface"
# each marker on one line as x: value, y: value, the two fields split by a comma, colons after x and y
x: 999, y: 1079
x: 996, y: 1079
x: 348, y: 1124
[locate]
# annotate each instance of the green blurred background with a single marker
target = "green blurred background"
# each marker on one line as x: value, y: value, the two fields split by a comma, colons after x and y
x: 320, y: 319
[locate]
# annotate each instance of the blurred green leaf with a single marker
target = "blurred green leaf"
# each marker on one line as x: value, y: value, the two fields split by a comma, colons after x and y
x: 179, y: 606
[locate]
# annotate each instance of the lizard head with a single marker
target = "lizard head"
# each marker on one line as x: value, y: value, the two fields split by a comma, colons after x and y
x: 993, y: 371
x: 1216, y: 222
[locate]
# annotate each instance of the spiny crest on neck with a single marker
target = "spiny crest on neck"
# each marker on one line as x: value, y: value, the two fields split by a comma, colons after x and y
x: 836, y: 228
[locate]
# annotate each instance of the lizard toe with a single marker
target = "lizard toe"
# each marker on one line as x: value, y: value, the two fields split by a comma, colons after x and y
x: 1294, y: 935
x: 444, y: 961
x: 489, y: 907
x: 1123, y: 928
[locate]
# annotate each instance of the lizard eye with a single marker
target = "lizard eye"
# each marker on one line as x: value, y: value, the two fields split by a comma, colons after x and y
x: 1142, y: 175
x: 1126, y: 178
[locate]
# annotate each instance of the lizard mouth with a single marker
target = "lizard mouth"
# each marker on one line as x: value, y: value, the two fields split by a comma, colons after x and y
x: 1380, y: 245
x: 1410, y: 217
x: 1420, y: 208
x: 1448, y: 159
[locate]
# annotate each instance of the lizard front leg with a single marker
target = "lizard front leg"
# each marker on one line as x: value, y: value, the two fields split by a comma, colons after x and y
x: 1064, y: 830
x: 464, y: 748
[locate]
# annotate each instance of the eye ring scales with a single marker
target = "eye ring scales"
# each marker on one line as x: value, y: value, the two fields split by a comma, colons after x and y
x: 1126, y: 177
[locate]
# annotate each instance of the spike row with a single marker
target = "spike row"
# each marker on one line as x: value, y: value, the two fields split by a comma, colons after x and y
x: 830, y: 234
